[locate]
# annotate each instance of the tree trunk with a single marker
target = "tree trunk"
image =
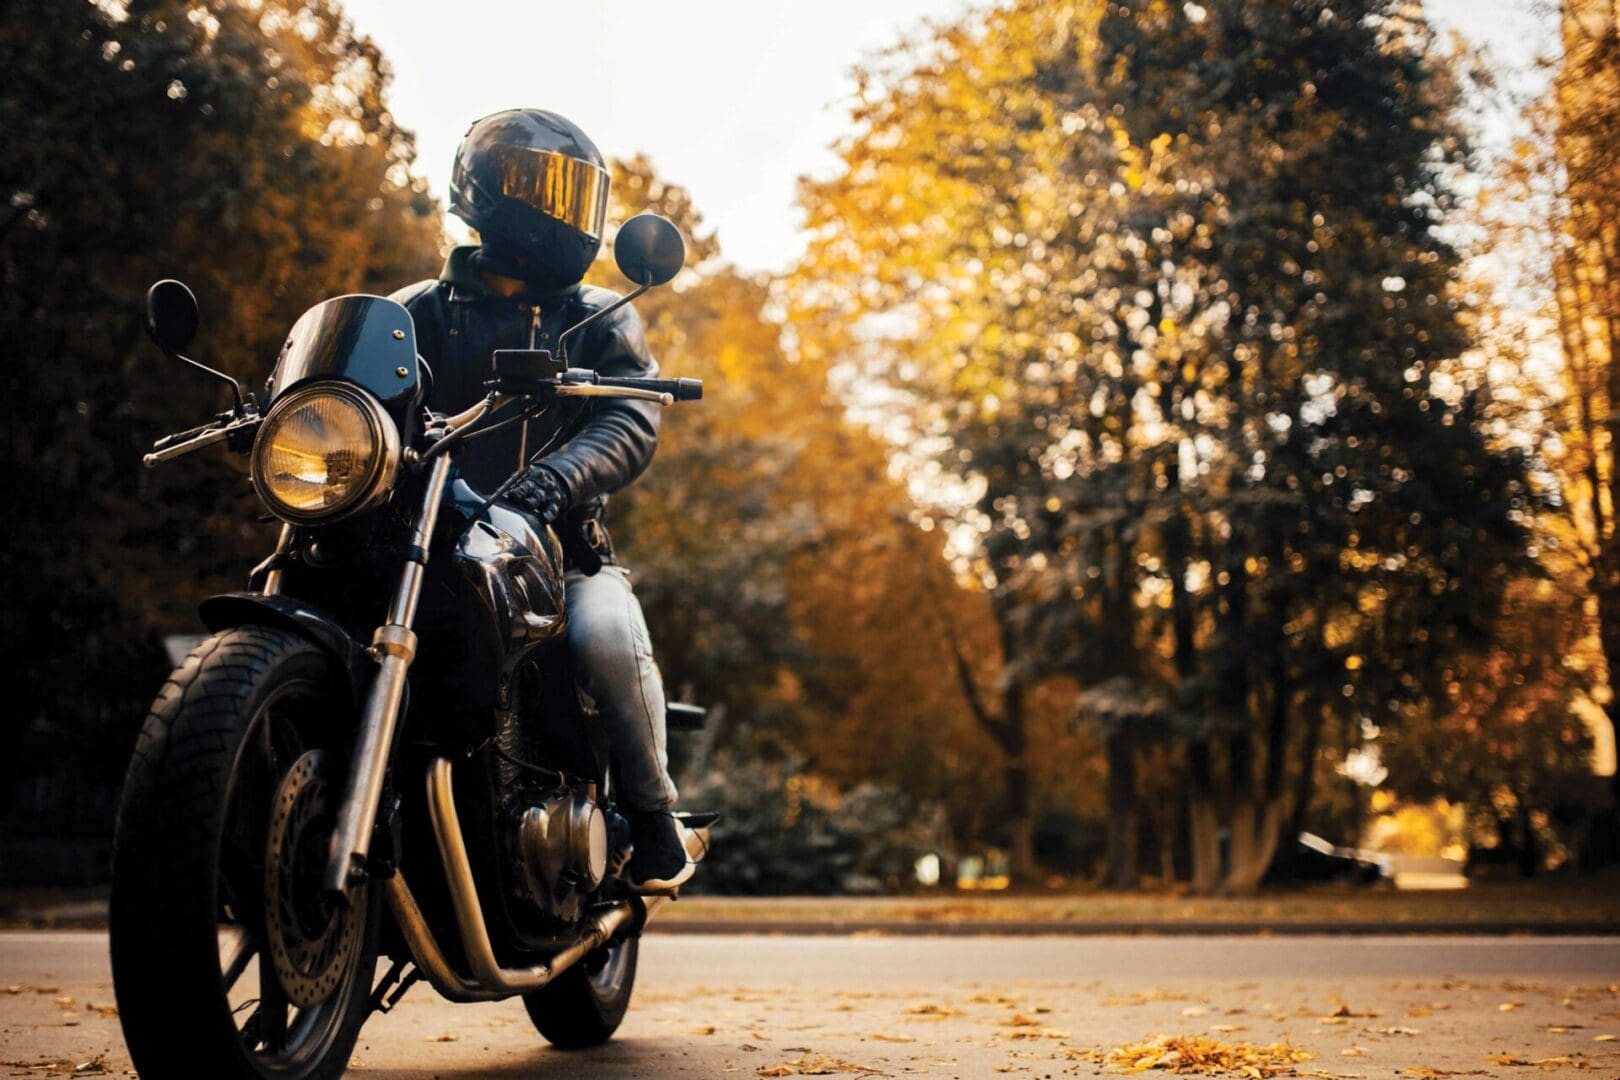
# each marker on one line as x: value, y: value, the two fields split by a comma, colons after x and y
x: 1257, y: 817
x: 1124, y: 827
x: 1020, y: 822
x: 1529, y: 850
x: 1256, y: 826
x: 1305, y: 779
x: 1203, y: 819
x: 1015, y: 777
x: 1007, y: 730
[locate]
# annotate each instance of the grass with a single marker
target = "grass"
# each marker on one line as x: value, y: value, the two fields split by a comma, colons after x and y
x: 1584, y: 902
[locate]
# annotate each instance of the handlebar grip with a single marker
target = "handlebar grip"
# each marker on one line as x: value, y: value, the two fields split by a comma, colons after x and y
x: 679, y: 389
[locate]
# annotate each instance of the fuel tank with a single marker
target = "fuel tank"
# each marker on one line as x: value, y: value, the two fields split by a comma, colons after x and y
x: 495, y: 599
x: 513, y: 570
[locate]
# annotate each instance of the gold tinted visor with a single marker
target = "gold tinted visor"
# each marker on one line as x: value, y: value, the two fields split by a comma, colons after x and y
x: 572, y: 191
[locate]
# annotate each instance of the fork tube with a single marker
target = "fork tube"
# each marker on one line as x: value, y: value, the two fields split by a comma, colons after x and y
x: 393, y: 647
x: 272, y: 579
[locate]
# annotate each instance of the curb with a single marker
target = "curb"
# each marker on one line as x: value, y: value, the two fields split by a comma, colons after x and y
x: 92, y: 915
x: 1009, y: 928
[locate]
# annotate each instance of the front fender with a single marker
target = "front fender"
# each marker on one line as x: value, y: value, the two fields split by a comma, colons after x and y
x: 246, y: 609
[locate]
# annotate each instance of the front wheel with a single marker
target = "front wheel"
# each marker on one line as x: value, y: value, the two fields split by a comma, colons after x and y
x: 585, y: 1004
x: 228, y: 960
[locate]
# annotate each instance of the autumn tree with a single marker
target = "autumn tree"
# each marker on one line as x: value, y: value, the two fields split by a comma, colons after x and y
x: 244, y: 147
x: 1581, y: 186
x: 1164, y: 284
x: 786, y: 583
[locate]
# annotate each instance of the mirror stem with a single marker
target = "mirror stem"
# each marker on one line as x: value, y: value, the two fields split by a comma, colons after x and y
x: 562, y: 342
x: 236, y: 387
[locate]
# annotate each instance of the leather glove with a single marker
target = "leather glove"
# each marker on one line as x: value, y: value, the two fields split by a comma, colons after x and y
x: 542, y: 493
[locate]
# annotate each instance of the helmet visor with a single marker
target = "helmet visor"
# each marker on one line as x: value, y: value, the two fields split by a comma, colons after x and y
x: 574, y: 192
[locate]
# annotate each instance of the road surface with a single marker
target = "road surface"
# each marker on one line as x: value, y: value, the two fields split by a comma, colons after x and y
x: 716, y: 1006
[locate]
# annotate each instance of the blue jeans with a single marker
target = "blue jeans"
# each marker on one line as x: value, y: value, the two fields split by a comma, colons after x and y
x: 614, y: 661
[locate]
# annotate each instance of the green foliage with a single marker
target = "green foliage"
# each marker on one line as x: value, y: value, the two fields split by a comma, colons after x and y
x: 784, y: 832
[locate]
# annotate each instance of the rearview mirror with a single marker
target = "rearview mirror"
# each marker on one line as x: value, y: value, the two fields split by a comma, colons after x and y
x: 171, y: 315
x: 649, y: 249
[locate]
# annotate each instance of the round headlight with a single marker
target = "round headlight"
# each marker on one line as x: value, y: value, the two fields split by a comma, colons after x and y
x: 324, y: 451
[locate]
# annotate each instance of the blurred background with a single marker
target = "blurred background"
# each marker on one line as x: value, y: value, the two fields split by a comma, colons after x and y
x: 1148, y: 446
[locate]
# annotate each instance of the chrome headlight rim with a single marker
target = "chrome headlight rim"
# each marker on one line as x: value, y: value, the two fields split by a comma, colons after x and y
x: 380, y: 477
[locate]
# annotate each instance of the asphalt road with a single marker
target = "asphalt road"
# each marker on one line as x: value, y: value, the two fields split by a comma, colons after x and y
x: 959, y: 1007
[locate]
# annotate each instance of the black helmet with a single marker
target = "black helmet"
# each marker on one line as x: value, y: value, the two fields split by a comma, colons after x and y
x: 536, y: 189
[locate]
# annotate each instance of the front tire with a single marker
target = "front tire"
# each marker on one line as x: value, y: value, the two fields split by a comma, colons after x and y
x: 242, y: 741
x: 585, y: 1004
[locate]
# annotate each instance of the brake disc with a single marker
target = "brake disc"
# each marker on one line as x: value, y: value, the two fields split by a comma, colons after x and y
x: 312, y: 940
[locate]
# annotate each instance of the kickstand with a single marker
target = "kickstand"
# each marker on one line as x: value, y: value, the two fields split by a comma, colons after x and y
x: 387, y: 995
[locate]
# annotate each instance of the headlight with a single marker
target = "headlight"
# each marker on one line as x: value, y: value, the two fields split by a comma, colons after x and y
x: 324, y: 451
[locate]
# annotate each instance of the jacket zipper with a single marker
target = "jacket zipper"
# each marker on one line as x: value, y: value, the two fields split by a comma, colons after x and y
x: 534, y: 340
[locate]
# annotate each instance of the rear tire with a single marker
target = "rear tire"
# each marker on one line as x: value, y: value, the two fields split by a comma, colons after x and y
x: 584, y: 1005
x: 188, y: 925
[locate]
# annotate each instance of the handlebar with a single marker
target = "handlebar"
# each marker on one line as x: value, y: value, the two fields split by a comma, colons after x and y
x: 516, y: 383
x: 679, y: 389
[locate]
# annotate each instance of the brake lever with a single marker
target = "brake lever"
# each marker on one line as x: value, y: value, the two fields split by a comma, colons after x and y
x: 167, y: 450
x: 632, y: 392
x: 181, y: 436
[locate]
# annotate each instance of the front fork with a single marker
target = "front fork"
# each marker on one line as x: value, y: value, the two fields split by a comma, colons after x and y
x: 393, y: 647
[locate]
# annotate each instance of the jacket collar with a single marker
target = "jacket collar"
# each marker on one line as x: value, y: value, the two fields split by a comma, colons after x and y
x: 466, y: 284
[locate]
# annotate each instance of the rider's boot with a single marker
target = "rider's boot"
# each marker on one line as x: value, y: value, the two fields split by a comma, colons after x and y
x: 658, y: 861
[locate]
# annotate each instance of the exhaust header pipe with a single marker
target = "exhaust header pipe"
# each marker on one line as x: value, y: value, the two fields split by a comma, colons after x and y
x: 489, y: 980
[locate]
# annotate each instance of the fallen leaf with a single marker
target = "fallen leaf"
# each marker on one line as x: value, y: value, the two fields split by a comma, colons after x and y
x: 706, y: 1029
x: 1228, y: 1028
x: 1352, y: 1051
x: 1603, y: 1038
x: 1020, y: 1020
x: 1396, y: 1031
x: 1194, y: 1010
x: 820, y: 1065
x: 881, y: 1037
x: 66, y: 1000
x: 444, y: 1038
x: 1419, y: 1013
x: 1187, y: 1053
x: 1509, y: 1006
x: 1142, y: 997
x: 106, y: 1012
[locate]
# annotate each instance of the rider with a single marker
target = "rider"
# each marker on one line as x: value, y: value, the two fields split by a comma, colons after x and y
x: 536, y: 190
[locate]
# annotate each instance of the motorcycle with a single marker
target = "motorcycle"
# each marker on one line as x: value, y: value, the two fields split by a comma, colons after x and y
x: 381, y: 750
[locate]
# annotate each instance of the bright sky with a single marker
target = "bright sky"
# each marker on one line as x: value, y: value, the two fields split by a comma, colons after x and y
x: 732, y: 99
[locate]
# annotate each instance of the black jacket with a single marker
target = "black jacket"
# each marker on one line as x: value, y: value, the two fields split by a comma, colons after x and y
x: 459, y: 325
